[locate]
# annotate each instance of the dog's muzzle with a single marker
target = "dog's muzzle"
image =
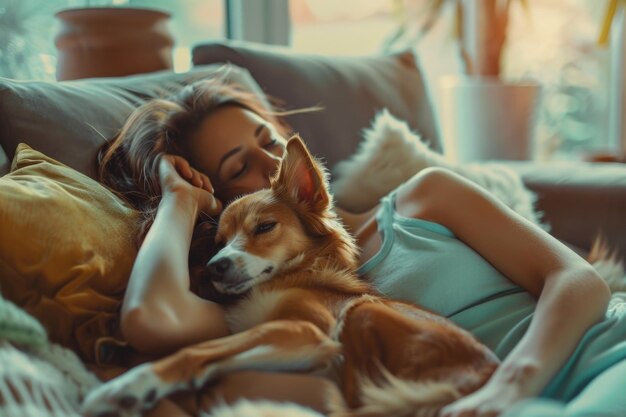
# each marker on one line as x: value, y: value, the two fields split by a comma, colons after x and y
x: 226, y: 277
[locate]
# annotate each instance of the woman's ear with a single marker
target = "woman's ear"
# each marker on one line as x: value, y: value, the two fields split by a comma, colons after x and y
x: 301, y: 177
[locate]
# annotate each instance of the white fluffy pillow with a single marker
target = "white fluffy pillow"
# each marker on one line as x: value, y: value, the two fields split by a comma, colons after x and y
x: 391, y: 153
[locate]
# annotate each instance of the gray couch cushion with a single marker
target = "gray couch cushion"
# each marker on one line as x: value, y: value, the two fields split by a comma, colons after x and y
x: 5, y: 164
x: 68, y: 121
x: 350, y: 90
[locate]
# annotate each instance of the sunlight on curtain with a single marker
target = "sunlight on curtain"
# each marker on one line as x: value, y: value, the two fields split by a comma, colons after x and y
x: 347, y: 27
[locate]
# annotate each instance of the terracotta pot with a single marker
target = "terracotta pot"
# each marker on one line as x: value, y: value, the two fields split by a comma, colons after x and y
x: 112, y: 41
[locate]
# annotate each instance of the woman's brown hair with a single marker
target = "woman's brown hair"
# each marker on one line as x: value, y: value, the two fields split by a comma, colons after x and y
x: 128, y: 164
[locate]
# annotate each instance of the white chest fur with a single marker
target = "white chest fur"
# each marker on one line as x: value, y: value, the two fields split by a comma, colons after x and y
x: 254, y: 310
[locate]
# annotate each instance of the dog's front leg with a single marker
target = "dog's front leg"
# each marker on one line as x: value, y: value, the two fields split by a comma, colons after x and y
x: 283, y: 345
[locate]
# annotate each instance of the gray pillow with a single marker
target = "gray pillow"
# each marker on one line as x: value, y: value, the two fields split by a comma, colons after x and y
x: 68, y: 121
x: 5, y: 164
x: 350, y: 89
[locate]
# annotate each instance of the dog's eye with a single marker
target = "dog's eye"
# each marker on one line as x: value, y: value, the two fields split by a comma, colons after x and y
x: 264, y: 227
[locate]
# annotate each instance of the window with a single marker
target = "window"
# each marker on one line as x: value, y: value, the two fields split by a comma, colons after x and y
x: 553, y: 42
x: 556, y: 43
x: 27, y: 29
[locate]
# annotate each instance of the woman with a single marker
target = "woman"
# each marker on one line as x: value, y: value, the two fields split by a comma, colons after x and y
x: 523, y: 293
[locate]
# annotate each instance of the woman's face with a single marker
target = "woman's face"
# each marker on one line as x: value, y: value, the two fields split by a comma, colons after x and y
x: 238, y: 150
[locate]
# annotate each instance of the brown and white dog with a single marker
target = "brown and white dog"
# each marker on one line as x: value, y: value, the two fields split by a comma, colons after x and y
x: 303, y: 308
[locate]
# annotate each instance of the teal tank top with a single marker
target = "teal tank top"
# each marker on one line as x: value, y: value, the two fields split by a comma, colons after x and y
x: 423, y: 262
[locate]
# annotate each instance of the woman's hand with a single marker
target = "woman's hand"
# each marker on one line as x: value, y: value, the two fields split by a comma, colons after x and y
x: 510, y: 384
x: 177, y: 176
x: 489, y: 401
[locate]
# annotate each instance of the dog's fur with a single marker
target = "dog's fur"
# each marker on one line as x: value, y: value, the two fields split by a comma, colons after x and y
x: 303, y: 308
x: 608, y: 264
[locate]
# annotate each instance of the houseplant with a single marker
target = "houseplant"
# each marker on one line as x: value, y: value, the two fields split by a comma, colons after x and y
x: 483, y: 116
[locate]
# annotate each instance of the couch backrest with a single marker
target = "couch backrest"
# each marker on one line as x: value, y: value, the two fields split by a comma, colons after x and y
x: 351, y: 90
x: 69, y: 120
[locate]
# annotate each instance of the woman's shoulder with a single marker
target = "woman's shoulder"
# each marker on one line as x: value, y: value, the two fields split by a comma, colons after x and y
x: 427, y: 193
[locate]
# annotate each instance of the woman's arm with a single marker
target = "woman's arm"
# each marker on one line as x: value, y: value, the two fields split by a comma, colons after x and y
x: 159, y: 313
x: 571, y: 295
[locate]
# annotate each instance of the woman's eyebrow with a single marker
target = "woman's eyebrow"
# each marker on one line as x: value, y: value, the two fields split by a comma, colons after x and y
x: 225, y: 157
x: 259, y: 129
x: 237, y: 149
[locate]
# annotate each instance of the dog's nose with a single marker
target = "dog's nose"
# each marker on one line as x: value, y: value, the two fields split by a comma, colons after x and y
x: 219, y: 267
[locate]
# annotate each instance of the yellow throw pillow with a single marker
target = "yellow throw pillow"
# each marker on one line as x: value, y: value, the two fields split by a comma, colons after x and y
x: 67, y: 245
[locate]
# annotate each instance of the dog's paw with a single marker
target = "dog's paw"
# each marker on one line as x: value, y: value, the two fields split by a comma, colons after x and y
x: 127, y: 395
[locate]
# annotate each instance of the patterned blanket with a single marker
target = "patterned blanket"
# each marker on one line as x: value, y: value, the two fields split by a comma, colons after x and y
x: 37, y: 378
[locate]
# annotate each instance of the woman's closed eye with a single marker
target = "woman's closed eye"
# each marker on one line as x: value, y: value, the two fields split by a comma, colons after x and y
x: 272, y: 141
x: 239, y: 172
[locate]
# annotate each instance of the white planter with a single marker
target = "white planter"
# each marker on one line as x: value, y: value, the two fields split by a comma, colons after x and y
x: 488, y: 119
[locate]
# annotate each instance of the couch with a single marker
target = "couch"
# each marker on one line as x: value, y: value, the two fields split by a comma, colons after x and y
x: 68, y: 121
x: 579, y: 200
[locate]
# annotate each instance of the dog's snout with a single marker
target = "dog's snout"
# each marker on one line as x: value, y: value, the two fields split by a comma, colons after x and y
x: 220, y: 266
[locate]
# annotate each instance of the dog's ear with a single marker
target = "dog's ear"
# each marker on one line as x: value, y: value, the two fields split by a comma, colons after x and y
x: 301, y: 177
